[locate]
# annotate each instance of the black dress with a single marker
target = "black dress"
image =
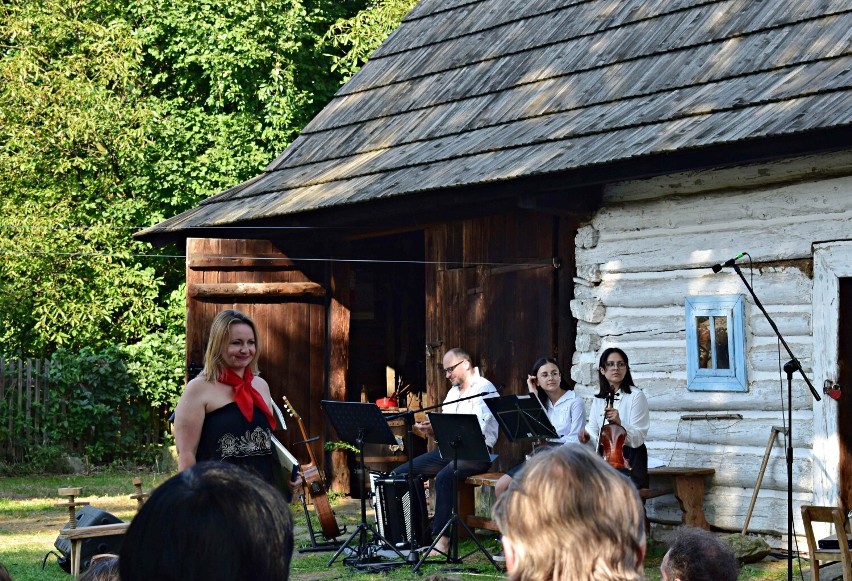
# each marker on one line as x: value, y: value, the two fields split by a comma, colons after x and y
x: 228, y: 437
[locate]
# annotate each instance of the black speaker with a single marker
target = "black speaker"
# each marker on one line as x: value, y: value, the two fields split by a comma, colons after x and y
x: 401, y: 514
x: 89, y: 516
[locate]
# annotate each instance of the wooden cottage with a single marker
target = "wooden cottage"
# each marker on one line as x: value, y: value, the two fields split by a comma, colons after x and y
x: 551, y: 178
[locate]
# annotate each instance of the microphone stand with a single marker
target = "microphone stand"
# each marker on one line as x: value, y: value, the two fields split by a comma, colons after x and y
x: 408, y: 416
x: 790, y: 368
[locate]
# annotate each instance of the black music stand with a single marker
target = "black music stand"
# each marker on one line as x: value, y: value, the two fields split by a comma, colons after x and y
x: 459, y: 437
x: 361, y: 423
x: 522, y: 417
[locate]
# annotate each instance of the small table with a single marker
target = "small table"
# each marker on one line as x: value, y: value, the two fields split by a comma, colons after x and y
x: 689, y: 491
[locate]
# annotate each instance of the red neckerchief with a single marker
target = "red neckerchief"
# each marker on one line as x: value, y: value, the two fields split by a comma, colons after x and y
x: 245, y: 395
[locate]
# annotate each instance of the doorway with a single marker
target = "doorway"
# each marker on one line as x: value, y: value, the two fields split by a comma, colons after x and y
x: 832, y: 438
x: 388, y: 313
x: 844, y: 405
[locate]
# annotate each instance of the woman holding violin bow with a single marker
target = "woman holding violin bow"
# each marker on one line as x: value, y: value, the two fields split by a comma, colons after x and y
x: 619, y: 419
x: 563, y: 407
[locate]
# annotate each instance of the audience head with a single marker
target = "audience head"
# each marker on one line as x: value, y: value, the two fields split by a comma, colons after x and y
x: 220, y: 332
x: 212, y: 522
x: 570, y: 515
x: 4, y: 574
x: 102, y: 568
x: 698, y: 555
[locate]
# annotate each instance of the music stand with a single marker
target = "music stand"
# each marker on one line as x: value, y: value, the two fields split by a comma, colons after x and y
x: 360, y: 423
x: 522, y: 417
x: 459, y: 437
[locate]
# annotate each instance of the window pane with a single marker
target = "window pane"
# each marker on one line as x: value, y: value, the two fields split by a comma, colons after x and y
x: 702, y: 326
x: 721, y: 344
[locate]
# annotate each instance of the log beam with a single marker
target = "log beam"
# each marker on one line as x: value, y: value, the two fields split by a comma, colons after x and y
x: 263, y: 289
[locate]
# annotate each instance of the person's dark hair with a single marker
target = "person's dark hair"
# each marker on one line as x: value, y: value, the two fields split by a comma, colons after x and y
x: 626, y: 384
x: 102, y: 568
x: 699, y: 555
x: 563, y: 384
x: 212, y: 522
x: 4, y: 574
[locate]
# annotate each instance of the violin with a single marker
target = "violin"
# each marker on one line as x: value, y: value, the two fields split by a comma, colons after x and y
x: 611, y: 440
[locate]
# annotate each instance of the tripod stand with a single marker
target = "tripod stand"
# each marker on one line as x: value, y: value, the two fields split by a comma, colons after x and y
x: 459, y: 436
x: 361, y: 423
x: 316, y: 546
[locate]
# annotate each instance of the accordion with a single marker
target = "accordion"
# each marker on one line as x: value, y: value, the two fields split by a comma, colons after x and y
x: 401, y: 514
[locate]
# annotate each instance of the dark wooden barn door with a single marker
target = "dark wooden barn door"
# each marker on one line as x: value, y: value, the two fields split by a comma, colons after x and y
x: 500, y: 288
x: 288, y: 309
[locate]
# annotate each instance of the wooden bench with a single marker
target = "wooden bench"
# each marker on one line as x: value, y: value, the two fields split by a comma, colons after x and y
x: 688, y: 489
x: 687, y: 486
x: 467, y: 500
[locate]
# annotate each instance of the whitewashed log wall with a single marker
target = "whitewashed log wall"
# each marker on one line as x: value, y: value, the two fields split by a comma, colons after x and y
x: 650, y: 246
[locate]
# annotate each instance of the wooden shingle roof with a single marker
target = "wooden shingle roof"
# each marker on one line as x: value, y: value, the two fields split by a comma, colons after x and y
x: 471, y: 93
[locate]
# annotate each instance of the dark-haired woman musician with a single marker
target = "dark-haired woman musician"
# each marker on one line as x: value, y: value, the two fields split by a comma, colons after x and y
x: 563, y: 407
x: 629, y: 410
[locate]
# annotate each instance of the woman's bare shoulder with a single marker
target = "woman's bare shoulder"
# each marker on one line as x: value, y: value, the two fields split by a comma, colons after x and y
x: 198, y: 388
x: 260, y: 384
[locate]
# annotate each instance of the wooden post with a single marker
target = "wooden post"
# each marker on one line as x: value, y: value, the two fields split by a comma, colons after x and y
x: 139, y: 496
x: 775, y: 431
x: 71, y: 504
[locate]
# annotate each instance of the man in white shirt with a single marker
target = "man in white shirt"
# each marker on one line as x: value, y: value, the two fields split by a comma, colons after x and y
x: 466, y: 382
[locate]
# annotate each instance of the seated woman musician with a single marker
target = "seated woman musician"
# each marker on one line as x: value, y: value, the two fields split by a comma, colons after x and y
x: 621, y: 403
x: 562, y: 406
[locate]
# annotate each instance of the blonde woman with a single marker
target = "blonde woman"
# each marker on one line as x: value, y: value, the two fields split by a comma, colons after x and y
x: 225, y: 413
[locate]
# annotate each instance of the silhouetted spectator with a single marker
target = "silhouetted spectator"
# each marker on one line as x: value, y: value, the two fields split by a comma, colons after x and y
x: 212, y: 522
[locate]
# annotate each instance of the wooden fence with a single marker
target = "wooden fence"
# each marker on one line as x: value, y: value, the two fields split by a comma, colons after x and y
x: 24, y: 393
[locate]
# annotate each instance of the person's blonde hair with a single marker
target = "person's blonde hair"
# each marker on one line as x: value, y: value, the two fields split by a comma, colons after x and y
x: 570, y: 515
x: 220, y: 333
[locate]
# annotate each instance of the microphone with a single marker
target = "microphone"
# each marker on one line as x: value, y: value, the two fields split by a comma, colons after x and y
x: 727, y: 263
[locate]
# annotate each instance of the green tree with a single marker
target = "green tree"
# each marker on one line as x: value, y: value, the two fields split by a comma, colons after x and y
x: 115, y: 116
x: 70, y: 133
x: 354, y: 39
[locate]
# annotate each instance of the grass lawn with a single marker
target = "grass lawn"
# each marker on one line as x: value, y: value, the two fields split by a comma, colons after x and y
x: 30, y: 523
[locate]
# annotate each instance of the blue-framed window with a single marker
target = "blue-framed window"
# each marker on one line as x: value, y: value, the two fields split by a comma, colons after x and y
x: 715, y: 343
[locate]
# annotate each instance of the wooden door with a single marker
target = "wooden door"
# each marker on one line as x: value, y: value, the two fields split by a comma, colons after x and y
x: 498, y: 288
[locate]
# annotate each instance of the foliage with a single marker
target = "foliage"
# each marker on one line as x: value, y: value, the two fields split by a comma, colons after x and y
x: 115, y: 116
x: 96, y: 405
x: 69, y: 133
x: 362, y: 34
x: 156, y: 363
x: 333, y: 445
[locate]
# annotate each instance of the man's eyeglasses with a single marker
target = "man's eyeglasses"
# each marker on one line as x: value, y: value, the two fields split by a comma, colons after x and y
x: 545, y: 374
x: 614, y: 364
x: 449, y: 369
